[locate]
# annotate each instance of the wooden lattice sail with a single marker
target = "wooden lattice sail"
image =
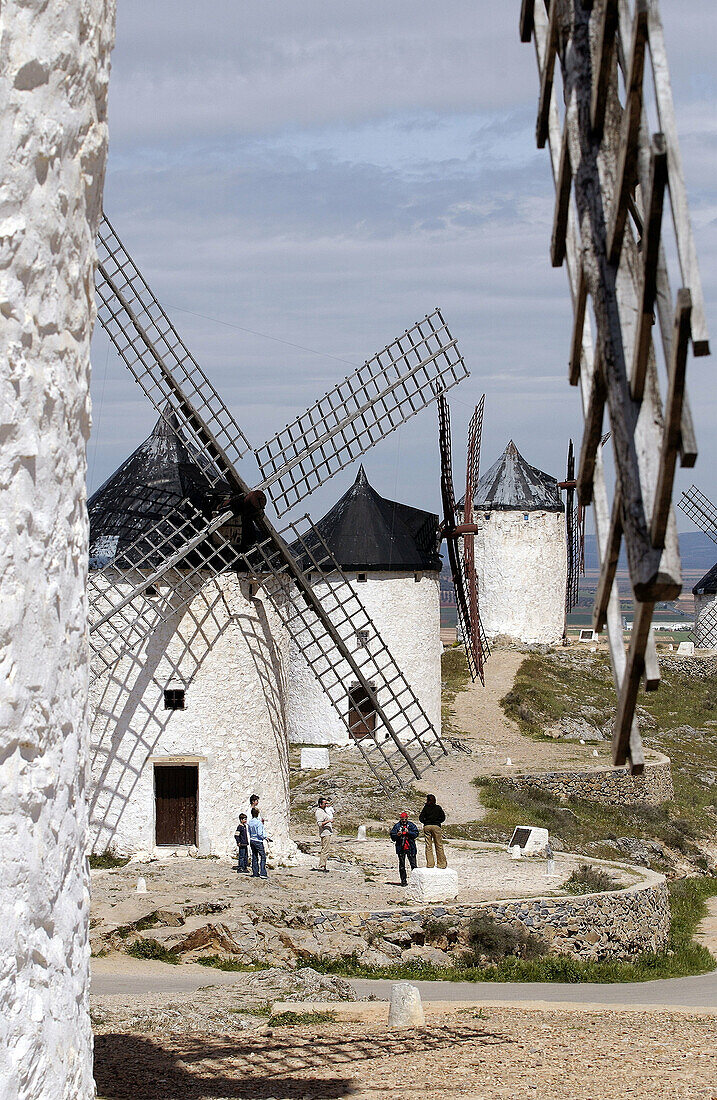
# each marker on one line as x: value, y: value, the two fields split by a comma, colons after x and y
x: 611, y: 176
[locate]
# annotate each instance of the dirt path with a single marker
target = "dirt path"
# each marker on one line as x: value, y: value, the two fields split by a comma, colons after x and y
x: 492, y: 739
x: 706, y: 933
x: 477, y: 1054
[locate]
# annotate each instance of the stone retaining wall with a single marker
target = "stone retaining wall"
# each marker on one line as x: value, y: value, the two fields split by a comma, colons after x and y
x: 614, y: 786
x: 615, y: 925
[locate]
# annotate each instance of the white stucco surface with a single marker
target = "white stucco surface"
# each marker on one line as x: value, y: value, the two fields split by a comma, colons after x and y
x: 228, y: 651
x: 705, y: 620
x: 54, y: 61
x: 522, y: 567
x: 406, y: 613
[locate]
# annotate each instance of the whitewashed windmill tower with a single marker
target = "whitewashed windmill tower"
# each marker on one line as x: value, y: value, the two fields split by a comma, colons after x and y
x: 389, y: 552
x: 520, y: 551
x: 194, y: 591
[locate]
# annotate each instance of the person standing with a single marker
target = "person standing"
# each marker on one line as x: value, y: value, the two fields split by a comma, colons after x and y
x: 241, y: 836
x: 325, y: 825
x: 432, y: 818
x: 257, y: 841
x: 404, y: 834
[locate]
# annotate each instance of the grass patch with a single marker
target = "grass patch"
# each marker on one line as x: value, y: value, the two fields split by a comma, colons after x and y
x: 220, y: 962
x: 105, y: 861
x: 590, y: 880
x: 582, y: 826
x: 681, y: 959
x: 301, y: 1019
x: 455, y: 677
x: 152, y: 949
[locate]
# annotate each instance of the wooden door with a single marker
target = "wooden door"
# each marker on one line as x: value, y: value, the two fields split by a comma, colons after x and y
x: 175, y: 789
x: 362, y: 716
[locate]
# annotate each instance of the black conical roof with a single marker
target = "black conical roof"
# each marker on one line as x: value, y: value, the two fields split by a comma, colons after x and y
x: 513, y: 484
x: 708, y: 583
x: 364, y: 531
x: 164, y: 471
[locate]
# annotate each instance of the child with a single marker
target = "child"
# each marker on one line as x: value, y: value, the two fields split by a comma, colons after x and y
x: 241, y: 837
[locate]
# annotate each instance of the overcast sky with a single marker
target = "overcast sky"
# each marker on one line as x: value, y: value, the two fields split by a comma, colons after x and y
x: 325, y: 172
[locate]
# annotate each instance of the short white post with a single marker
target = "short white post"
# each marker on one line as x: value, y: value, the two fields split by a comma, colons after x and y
x: 141, y: 885
x: 405, y: 1009
x: 361, y: 832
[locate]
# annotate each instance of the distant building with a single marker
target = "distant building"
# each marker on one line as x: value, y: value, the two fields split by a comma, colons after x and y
x: 389, y: 552
x: 705, y: 593
x: 520, y: 551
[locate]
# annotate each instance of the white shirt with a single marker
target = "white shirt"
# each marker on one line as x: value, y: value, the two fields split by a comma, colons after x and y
x: 325, y: 819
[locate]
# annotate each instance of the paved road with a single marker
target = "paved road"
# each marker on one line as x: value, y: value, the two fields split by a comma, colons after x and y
x: 699, y: 992
x: 124, y: 976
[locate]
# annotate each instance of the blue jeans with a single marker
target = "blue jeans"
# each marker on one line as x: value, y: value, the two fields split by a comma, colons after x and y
x: 258, y: 859
x: 243, y: 858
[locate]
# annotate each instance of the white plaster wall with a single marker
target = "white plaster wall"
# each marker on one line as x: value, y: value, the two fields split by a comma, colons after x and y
x: 407, y: 616
x: 522, y: 569
x: 705, y: 620
x: 54, y: 66
x: 228, y: 651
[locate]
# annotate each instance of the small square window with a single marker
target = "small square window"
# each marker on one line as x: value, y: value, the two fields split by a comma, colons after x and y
x: 361, y: 578
x: 526, y: 516
x: 417, y: 578
x: 174, y: 698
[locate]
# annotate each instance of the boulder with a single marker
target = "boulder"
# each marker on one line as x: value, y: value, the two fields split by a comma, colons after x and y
x: 428, y: 884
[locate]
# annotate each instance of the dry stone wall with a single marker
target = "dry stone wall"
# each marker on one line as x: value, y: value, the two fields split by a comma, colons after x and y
x: 614, y: 786
x: 54, y: 61
x: 614, y: 925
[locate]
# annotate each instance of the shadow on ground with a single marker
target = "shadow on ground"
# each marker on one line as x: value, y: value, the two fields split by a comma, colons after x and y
x: 294, y: 1063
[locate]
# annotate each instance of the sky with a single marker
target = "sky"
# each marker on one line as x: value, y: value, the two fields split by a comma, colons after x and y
x: 301, y: 180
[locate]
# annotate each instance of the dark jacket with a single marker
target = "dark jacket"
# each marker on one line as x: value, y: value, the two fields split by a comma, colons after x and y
x: 400, y: 838
x: 431, y: 814
x: 241, y: 837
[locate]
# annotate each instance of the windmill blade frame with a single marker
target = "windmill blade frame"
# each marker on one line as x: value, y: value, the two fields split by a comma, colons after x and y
x: 700, y: 509
x: 479, y: 642
x: 455, y: 560
x: 368, y: 405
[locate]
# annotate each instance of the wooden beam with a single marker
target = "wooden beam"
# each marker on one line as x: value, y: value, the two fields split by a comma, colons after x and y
x: 652, y: 665
x: 686, y: 250
x: 622, y: 749
x: 546, y: 76
x: 673, y: 418
x: 576, y: 344
x: 629, y: 135
x: 563, y: 186
x: 650, y: 264
x: 592, y: 433
x: 608, y: 565
x: 527, y: 20
x: 603, y: 66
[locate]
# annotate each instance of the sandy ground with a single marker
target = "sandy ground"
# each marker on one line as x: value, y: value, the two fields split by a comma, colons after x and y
x: 492, y: 738
x: 362, y: 876
x: 475, y: 1054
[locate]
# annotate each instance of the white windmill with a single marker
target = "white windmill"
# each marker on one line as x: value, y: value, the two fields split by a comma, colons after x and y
x: 198, y: 572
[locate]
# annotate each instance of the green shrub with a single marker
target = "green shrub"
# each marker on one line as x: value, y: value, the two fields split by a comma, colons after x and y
x: 107, y: 860
x: 490, y: 940
x: 590, y: 880
x: 151, y: 949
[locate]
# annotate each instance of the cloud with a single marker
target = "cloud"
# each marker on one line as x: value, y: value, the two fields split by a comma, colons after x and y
x: 326, y: 174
